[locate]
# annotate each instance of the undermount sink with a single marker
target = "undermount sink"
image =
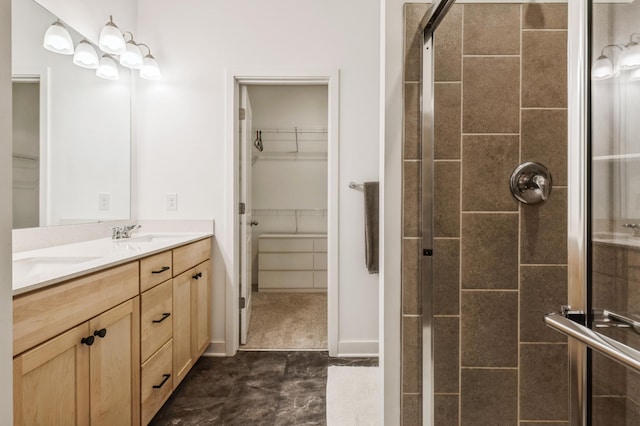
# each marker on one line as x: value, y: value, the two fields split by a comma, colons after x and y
x: 36, y: 265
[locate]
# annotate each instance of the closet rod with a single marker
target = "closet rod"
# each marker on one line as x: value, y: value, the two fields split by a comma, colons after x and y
x: 294, y: 131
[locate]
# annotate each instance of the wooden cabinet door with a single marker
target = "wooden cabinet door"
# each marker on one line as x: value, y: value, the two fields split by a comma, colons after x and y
x: 51, y: 381
x: 201, y: 309
x: 182, y: 356
x: 115, y: 366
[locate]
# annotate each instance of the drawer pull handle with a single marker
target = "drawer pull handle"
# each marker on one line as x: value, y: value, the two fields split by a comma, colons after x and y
x: 164, y: 268
x: 164, y: 380
x: 88, y: 340
x: 197, y: 276
x: 100, y: 333
x: 164, y: 317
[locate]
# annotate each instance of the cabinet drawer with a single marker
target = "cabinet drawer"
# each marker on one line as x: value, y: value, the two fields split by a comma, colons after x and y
x: 320, y: 261
x: 285, y: 245
x: 285, y: 279
x: 42, y: 314
x: 286, y: 261
x: 320, y: 245
x: 320, y: 279
x: 156, y: 320
x: 154, y: 270
x: 188, y: 256
x: 156, y: 382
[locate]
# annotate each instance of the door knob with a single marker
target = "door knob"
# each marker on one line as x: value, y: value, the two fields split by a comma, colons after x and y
x: 531, y: 183
x: 254, y: 223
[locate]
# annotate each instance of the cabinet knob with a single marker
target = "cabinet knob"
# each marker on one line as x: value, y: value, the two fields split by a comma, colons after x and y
x: 88, y: 340
x: 100, y: 333
x: 197, y: 276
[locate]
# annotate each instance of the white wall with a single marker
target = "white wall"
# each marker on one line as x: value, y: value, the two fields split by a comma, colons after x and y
x: 181, y: 119
x: 85, y: 125
x: 6, y: 317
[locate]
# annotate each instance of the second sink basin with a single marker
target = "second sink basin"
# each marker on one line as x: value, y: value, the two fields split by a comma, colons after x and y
x: 37, y: 265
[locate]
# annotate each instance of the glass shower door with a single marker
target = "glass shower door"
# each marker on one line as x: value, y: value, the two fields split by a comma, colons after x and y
x: 613, y: 292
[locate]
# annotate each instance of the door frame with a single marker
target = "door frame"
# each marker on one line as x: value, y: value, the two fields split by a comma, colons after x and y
x: 233, y: 79
x: 578, y: 74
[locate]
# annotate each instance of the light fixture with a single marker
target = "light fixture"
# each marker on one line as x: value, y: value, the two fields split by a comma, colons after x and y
x: 602, y: 68
x: 86, y: 56
x: 150, y: 69
x: 57, y: 39
x: 630, y: 57
x: 132, y: 57
x: 111, y: 39
x: 108, y: 68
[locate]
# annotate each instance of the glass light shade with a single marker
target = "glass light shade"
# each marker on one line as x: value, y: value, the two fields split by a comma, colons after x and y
x: 132, y: 58
x: 108, y: 68
x: 602, y: 68
x: 58, y: 40
x: 635, y: 75
x: 150, y: 69
x: 111, y: 39
x: 86, y: 56
x: 630, y: 57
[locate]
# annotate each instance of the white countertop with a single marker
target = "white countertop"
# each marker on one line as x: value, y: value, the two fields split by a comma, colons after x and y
x: 39, y: 268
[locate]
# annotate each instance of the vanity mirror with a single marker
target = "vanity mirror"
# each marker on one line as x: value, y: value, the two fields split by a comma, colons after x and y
x: 71, y: 143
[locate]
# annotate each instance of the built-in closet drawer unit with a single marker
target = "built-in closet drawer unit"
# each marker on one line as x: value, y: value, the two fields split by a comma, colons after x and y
x: 296, y: 262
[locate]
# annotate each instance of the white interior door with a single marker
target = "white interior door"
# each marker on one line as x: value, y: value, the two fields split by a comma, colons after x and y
x: 246, y: 143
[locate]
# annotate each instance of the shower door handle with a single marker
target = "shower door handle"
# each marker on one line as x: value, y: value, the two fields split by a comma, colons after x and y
x: 604, y: 345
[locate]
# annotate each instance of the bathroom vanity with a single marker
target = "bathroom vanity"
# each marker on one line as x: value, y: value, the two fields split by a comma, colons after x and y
x: 105, y: 330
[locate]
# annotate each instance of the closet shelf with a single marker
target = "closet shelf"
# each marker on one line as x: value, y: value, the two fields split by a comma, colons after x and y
x: 287, y: 156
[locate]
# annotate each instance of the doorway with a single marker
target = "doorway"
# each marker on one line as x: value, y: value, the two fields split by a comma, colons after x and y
x: 26, y: 152
x: 285, y: 147
x: 283, y: 236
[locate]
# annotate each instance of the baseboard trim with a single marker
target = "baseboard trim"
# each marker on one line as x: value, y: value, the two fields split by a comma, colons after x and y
x: 357, y: 348
x: 216, y: 349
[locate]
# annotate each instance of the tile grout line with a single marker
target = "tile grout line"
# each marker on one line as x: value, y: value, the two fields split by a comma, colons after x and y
x: 518, y: 393
x: 460, y: 147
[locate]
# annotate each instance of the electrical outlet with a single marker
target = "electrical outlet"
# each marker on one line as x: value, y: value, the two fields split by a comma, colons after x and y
x: 104, y: 201
x: 172, y: 202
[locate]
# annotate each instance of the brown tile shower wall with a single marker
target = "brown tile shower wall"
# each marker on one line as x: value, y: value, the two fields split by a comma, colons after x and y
x: 616, y: 286
x: 500, y: 99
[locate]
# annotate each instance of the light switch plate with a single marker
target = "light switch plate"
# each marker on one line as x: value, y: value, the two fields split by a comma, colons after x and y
x: 172, y: 202
x: 104, y: 201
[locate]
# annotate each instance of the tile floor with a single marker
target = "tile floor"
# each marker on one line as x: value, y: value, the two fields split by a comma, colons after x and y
x: 254, y: 388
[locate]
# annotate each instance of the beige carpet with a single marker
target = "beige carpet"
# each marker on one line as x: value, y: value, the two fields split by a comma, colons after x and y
x: 287, y: 321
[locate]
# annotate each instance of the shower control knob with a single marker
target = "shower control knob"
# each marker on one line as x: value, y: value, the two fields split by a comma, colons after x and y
x: 531, y: 183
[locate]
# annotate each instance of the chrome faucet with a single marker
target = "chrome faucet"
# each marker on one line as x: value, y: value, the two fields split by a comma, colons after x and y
x: 119, y: 232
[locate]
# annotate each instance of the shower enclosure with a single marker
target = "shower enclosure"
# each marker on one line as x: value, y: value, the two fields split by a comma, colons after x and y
x: 603, y: 311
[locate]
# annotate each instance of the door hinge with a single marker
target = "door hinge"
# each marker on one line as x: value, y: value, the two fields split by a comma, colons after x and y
x: 243, y: 303
x: 243, y: 113
x: 242, y: 208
